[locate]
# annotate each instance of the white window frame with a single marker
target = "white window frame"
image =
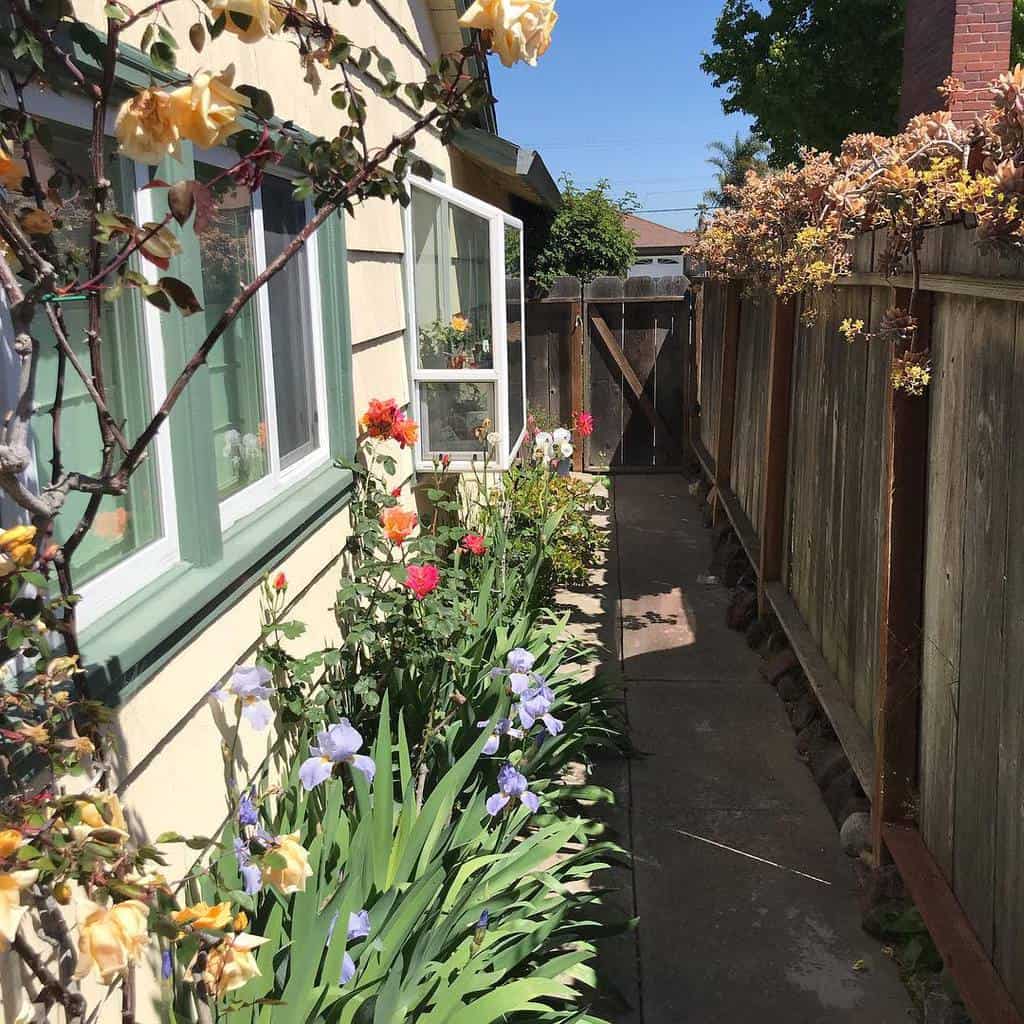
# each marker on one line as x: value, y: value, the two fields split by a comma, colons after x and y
x: 497, y: 220
x: 107, y: 590
x: 277, y: 480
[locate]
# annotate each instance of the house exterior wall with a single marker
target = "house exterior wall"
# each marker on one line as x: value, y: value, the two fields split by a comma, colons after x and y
x: 168, y: 759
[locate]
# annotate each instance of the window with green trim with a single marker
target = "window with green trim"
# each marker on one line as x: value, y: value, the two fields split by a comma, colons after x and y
x: 254, y: 433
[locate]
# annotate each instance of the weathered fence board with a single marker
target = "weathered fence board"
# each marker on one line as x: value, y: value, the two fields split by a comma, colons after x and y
x: 752, y: 358
x: 837, y: 549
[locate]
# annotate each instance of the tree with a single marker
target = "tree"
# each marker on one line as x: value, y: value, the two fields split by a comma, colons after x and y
x: 733, y: 161
x: 810, y: 72
x: 587, y: 237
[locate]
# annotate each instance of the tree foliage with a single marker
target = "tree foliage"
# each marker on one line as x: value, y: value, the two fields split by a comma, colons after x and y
x: 587, y: 237
x: 810, y: 72
x: 1017, y: 40
x: 733, y: 160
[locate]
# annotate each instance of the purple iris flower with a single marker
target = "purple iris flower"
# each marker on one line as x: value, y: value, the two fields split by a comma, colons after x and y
x: 252, y: 874
x: 520, y: 660
x: 358, y: 928
x: 512, y: 785
x: 335, y: 745
x: 481, y: 928
x: 248, y: 684
x: 503, y: 727
x: 166, y: 964
x: 536, y: 706
x: 248, y: 814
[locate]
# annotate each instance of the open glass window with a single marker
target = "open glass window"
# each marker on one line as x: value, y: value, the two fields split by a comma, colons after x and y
x: 466, y: 324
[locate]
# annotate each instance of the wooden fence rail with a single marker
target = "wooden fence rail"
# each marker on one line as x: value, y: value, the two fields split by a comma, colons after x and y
x: 888, y: 533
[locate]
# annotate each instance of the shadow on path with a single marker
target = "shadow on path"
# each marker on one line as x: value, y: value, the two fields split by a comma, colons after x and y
x: 747, y: 904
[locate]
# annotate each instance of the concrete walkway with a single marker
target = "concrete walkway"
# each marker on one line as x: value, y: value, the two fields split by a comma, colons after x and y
x: 747, y: 905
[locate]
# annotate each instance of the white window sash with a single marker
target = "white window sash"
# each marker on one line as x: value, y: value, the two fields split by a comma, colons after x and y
x: 497, y: 219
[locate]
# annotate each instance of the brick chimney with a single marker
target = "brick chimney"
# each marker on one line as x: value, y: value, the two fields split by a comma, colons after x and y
x: 969, y: 39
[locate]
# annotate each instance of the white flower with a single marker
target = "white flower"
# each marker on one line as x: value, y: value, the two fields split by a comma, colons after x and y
x: 543, y: 438
x: 561, y: 436
x: 565, y: 450
x: 493, y: 439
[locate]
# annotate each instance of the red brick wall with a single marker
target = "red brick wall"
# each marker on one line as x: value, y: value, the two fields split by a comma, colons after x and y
x: 969, y: 39
x: 927, y: 55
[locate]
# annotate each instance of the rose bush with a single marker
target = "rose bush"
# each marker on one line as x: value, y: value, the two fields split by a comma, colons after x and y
x: 68, y: 857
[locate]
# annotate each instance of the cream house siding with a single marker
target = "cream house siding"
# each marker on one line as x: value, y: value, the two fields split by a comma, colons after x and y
x: 169, y: 762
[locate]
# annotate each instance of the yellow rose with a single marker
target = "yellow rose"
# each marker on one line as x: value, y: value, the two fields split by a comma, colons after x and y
x: 520, y: 29
x: 207, y: 110
x: 203, y: 917
x: 101, y: 818
x: 11, y: 910
x: 145, y: 128
x: 10, y: 842
x: 250, y: 20
x: 292, y: 877
x: 460, y: 323
x: 231, y: 964
x: 17, y: 549
x: 110, y: 937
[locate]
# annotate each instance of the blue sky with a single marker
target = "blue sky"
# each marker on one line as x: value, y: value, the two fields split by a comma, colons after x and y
x: 620, y: 95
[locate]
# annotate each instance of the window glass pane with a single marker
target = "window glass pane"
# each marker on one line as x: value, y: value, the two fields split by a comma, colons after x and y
x: 456, y: 418
x: 514, y: 337
x: 236, y: 373
x: 470, y: 291
x: 452, y: 282
x: 125, y: 524
x: 428, y: 280
x: 291, y: 325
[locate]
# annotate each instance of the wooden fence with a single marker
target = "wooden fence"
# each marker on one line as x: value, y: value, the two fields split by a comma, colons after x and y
x: 888, y: 532
x: 620, y: 347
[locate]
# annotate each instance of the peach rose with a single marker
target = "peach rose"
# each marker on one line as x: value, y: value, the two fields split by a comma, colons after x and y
x: 519, y: 29
x: 13, y: 170
x: 207, y: 110
x: 292, y: 877
x: 145, y: 127
x: 11, y: 910
x: 110, y: 938
x: 398, y: 524
x: 231, y: 964
x: 250, y: 20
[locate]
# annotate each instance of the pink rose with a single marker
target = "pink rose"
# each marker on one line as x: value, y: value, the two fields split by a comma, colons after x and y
x: 422, y: 579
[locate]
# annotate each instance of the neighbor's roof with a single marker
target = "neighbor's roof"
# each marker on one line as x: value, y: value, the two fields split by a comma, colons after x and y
x: 656, y: 236
x: 522, y: 170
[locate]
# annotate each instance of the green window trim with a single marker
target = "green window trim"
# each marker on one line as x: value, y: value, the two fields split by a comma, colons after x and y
x: 128, y: 646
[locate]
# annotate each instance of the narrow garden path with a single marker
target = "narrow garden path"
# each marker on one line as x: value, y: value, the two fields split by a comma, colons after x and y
x: 748, y: 907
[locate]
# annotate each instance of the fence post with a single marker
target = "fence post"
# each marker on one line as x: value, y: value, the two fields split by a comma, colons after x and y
x: 902, y: 596
x: 577, y: 338
x: 727, y: 398
x: 776, y: 445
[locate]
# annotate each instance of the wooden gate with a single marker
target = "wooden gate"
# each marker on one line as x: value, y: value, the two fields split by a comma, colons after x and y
x: 620, y: 349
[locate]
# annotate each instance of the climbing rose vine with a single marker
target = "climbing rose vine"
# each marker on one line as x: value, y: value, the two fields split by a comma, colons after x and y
x: 792, y: 231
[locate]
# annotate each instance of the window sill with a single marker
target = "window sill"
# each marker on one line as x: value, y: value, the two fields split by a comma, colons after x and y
x: 130, y: 644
